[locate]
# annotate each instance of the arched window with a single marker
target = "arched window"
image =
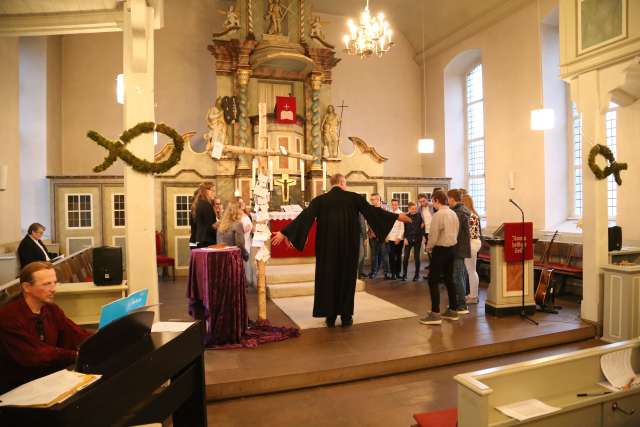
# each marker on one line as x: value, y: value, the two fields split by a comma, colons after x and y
x: 611, y: 134
x: 474, y: 137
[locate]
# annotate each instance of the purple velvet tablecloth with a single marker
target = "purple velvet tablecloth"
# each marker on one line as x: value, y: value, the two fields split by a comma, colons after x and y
x: 216, y: 293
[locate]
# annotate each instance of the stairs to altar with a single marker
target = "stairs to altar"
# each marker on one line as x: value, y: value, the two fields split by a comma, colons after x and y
x: 293, y: 277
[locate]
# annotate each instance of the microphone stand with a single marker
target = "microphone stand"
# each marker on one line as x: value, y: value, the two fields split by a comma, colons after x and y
x: 523, y: 313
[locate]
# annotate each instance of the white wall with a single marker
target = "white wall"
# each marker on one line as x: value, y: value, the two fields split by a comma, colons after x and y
x: 33, y: 133
x: 10, y: 139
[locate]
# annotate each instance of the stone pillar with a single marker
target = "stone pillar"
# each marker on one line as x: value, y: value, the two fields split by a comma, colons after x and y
x: 592, y: 103
x: 316, y: 137
x: 244, y: 125
x: 138, y: 65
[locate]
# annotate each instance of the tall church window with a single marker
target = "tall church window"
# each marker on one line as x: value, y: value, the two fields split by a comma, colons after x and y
x: 611, y: 127
x: 577, y: 161
x: 474, y: 107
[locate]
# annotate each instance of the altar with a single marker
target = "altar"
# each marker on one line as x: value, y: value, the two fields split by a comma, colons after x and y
x: 278, y: 221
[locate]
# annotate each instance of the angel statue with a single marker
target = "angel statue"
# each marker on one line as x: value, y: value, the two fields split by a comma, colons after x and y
x: 330, y: 124
x: 274, y: 17
x: 217, y: 126
x: 232, y: 21
x: 316, y: 28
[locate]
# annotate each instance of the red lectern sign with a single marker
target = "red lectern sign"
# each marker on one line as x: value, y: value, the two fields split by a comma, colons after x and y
x: 286, y: 109
x: 514, y: 242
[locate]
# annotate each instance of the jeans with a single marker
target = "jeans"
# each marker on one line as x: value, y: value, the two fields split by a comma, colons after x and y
x: 441, y: 264
x: 460, y: 281
x: 395, y: 256
x: 379, y: 256
x: 470, y: 263
x: 416, y: 256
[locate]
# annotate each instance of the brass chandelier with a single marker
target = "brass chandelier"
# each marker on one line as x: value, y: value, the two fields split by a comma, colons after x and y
x: 372, y: 36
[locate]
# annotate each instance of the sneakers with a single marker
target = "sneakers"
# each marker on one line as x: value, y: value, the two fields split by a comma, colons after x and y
x: 450, y: 315
x: 431, y: 319
x: 471, y: 300
x: 463, y: 309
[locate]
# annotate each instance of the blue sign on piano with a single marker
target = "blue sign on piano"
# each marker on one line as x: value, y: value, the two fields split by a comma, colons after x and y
x: 123, y: 306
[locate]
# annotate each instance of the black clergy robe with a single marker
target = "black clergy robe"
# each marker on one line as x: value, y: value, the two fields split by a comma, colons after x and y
x: 337, y: 245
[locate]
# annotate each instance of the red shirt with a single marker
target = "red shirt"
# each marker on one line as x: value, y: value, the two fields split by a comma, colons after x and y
x: 23, y: 355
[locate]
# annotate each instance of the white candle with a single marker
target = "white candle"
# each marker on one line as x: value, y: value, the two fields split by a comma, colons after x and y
x: 271, y: 175
x: 302, y: 175
x: 324, y: 176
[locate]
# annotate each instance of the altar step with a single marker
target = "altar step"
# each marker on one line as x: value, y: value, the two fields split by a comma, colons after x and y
x: 291, y: 261
x: 293, y: 280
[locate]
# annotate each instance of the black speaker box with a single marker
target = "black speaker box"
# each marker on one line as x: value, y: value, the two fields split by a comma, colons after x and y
x: 615, y: 238
x: 107, y: 265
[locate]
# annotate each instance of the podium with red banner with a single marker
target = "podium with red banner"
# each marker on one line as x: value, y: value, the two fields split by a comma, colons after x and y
x: 504, y: 295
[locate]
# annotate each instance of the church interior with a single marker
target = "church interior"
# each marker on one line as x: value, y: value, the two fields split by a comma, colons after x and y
x: 117, y: 114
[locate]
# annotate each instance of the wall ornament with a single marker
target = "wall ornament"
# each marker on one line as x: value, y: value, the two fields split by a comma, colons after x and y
x: 612, y: 168
x: 117, y: 148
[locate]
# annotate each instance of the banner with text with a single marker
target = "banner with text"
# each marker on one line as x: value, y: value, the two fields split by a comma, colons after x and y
x: 514, y: 243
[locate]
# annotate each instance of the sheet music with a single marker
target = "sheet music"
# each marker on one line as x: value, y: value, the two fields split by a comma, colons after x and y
x: 526, y: 409
x: 617, y: 369
x: 216, y: 151
x: 48, y: 390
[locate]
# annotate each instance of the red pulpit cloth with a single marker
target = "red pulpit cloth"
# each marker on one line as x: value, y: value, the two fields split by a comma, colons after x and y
x: 286, y: 109
x: 513, y: 241
x: 283, y: 250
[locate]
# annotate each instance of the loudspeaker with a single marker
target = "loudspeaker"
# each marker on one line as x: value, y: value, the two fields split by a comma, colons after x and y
x: 615, y: 238
x: 107, y: 265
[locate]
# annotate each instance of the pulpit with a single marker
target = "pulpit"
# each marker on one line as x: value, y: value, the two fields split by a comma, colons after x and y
x: 504, y: 295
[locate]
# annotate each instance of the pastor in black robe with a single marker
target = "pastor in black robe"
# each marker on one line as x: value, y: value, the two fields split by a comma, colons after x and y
x: 337, y: 245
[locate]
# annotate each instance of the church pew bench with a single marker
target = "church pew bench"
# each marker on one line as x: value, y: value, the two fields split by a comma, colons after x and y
x: 556, y: 381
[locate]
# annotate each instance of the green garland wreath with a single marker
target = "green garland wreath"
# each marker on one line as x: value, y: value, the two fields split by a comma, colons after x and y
x: 613, y: 167
x: 117, y: 148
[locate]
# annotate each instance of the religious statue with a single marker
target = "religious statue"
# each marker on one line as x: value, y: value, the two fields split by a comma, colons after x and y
x: 232, y: 21
x: 216, y: 124
x: 330, y: 124
x: 274, y: 17
x: 316, y: 28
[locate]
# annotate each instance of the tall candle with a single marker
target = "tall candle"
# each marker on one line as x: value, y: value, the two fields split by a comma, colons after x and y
x: 302, y: 175
x: 271, y: 175
x: 324, y: 176
x: 254, y: 167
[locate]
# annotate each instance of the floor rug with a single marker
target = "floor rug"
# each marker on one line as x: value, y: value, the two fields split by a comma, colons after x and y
x: 368, y: 308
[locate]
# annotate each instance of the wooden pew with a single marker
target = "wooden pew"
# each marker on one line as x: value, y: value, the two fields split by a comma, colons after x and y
x: 556, y: 381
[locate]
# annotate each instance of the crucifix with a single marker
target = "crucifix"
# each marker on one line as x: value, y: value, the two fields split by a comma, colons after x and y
x: 285, y: 183
x: 341, y: 107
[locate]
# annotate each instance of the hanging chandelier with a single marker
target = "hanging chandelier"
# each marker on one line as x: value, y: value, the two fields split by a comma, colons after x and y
x: 371, y: 37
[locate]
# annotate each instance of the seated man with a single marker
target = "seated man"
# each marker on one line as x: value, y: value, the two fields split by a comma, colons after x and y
x: 31, y: 247
x: 36, y: 338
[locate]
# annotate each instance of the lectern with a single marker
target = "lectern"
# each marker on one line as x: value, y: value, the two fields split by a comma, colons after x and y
x: 504, y: 296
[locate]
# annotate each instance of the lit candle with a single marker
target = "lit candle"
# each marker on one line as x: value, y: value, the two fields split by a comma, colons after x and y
x: 254, y: 167
x: 324, y: 176
x: 302, y: 175
x: 346, y: 41
x: 270, y: 174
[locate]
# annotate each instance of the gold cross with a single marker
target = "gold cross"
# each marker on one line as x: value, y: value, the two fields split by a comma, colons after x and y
x: 285, y: 183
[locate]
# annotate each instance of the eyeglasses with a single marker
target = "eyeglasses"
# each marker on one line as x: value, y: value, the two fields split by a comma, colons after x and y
x: 40, y: 328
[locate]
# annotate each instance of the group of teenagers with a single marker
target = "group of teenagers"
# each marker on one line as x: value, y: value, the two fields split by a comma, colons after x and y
x: 213, y: 225
x: 449, y: 226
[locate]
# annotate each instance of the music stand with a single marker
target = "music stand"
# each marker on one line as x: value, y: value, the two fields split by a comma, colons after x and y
x: 523, y: 313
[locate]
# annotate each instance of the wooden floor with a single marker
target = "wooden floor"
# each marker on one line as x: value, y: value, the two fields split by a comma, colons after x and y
x: 327, y: 356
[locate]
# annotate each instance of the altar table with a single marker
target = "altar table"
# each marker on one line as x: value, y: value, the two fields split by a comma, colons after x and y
x: 216, y: 293
x: 277, y: 223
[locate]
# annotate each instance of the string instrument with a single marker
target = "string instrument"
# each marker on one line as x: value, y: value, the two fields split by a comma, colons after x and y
x: 542, y: 292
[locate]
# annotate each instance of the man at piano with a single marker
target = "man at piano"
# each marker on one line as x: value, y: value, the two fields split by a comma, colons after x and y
x: 36, y: 338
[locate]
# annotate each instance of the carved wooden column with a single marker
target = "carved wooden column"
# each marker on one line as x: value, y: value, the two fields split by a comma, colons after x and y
x: 316, y: 137
x: 244, y: 125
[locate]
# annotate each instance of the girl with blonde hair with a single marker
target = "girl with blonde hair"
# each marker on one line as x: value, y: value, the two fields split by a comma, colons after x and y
x: 230, y: 230
x: 475, y: 233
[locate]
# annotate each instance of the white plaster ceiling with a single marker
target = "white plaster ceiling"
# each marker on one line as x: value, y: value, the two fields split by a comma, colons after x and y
x: 440, y: 17
x: 24, y: 7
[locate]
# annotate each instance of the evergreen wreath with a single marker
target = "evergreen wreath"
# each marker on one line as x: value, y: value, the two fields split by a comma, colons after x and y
x: 117, y: 148
x: 613, y: 167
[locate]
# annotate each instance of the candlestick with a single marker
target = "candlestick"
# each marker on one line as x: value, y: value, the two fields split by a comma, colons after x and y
x: 254, y: 167
x: 324, y: 176
x: 302, y: 175
x: 271, y: 175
